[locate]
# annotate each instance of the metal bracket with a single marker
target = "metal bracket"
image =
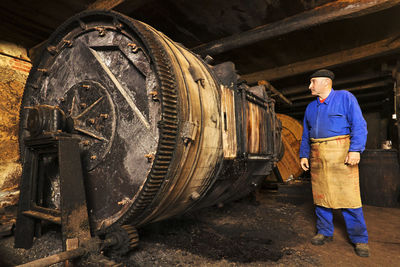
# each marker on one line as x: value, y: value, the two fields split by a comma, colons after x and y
x: 197, y: 75
x: 72, y: 214
x: 189, y: 132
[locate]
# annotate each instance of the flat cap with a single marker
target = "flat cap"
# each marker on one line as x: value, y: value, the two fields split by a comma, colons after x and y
x: 323, y: 73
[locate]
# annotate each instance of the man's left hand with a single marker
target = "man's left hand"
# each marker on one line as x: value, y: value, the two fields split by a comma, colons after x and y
x: 353, y: 158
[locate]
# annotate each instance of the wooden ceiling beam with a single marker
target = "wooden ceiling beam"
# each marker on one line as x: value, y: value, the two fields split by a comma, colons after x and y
x: 96, y: 5
x: 299, y: 114
x: 302, y: 105
x: 125, y: 6
x: 337, y: 82
x: 104, y: 4
x: 352, y: 89
x: 271, y: 88
x: 379, y: 48
x: 337, y: 10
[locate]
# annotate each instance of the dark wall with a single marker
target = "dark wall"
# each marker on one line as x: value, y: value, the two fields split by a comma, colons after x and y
x: 377, y: 129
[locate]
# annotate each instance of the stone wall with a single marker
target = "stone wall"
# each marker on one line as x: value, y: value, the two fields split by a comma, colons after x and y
x: 14, y: 70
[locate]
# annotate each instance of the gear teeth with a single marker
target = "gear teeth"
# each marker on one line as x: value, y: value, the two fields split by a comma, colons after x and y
x: 132, y: 235
x: 168, y: 125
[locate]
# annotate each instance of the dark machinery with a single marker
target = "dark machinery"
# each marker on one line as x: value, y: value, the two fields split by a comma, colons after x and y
x: 159, y: 131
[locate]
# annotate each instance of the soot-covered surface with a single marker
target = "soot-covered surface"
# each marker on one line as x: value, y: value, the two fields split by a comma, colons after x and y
x: 271, y: 229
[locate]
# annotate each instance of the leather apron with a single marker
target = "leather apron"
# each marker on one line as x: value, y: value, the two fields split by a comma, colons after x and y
x: 334, y: 184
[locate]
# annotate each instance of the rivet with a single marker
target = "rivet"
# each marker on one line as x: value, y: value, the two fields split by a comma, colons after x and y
x: 202, y: 82
x: 214, y: 118
x: 44, y: 71
x: 68, y: 43
x: 150, y: 157
x: 101, y: 31
x: 194, y: 195
x: 134, y: 47
x: 52, y: 49
x: 85, y: 143
x: 154, y: 95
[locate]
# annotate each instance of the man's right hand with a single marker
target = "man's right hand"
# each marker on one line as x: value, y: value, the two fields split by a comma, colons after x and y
x: 304, y: 164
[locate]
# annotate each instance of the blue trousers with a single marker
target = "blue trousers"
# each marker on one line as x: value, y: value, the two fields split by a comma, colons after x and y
x: 355, y: 223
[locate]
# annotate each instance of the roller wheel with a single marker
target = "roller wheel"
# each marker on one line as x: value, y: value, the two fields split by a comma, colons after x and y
x: 126, y: 239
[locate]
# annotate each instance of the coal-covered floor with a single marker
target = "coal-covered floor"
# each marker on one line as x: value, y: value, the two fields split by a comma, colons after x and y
x: 270, y: 228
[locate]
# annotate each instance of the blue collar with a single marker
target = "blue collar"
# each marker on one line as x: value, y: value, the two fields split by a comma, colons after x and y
x: 328, y: 99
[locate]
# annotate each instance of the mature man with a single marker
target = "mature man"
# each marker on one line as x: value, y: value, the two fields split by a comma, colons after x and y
x: 334, y: 135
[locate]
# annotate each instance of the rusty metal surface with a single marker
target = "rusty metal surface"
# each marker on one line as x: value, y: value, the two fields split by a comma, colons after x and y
x: 96, y: 79
x: 148, y: 115
x: 33, y: 208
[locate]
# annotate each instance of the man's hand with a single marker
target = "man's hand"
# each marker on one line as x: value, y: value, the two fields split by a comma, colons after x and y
x: 353, y: 158
x: 304, y: 164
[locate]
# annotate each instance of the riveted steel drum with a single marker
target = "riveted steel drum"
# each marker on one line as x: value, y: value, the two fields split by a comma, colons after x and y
x: 152, y: 118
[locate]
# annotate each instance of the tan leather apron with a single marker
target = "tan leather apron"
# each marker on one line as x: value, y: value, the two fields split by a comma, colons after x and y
x: 334, y: 184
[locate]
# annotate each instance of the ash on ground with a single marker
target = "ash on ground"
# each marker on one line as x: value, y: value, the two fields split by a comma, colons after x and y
x: 253, y: 231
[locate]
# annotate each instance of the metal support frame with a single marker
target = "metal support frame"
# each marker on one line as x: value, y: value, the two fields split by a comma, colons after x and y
x: 72, y: 215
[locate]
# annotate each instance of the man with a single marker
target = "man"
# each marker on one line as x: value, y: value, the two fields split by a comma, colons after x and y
x: 334, y: 135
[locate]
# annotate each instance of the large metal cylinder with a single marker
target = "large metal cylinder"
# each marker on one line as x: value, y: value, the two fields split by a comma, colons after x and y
x: 161, y: 131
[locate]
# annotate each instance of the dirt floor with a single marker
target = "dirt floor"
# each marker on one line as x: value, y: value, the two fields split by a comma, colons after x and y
x: 270, y: 229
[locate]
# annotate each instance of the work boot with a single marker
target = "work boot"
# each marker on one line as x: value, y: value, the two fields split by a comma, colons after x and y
x: 320, y: 239
x: 362, y: 249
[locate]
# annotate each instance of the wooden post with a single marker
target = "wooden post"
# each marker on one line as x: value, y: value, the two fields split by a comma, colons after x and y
x: 396, y: 113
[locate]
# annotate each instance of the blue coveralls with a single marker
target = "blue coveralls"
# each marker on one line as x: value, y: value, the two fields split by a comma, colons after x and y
x: 339, y: 114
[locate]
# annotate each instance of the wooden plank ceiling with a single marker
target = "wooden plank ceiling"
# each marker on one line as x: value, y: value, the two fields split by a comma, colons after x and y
x: 278, y: 41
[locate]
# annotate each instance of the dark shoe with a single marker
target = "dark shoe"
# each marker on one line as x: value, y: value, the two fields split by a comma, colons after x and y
x: 320, y: 239
x: 362, y: 249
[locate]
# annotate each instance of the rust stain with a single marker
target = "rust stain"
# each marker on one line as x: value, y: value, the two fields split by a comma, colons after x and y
x: 318, y: 196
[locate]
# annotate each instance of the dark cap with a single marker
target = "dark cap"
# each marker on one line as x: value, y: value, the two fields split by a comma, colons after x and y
x: 323, y: 73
